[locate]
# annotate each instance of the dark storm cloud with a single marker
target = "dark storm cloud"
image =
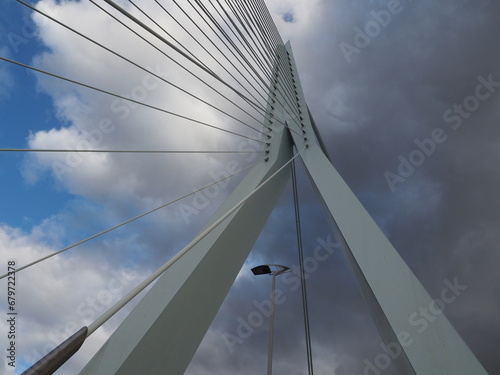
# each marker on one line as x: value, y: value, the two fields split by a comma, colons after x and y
x: 374, y: 109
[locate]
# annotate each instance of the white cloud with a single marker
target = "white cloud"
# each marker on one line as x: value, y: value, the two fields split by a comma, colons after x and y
x: 57, y: 297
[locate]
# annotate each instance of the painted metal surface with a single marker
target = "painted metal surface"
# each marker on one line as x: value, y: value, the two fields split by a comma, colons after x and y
x: 396, y: 297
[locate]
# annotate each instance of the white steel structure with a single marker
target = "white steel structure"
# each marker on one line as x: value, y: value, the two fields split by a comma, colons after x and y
x: 162, y: 333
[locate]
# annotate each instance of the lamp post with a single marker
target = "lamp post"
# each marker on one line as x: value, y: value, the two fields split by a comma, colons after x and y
x: 274, y: 270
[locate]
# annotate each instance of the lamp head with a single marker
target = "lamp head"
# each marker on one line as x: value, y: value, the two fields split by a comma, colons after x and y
x: 262, y: 270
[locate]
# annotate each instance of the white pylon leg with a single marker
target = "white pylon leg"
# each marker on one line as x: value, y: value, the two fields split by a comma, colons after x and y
x: 395, y: 296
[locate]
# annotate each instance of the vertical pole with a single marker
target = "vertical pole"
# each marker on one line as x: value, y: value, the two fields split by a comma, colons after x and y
x: 305, y: 307
x: 394, y: 294
x: 271, y: 329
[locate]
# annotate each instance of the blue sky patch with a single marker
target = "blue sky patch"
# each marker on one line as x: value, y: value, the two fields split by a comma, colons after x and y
x: 288, y: 17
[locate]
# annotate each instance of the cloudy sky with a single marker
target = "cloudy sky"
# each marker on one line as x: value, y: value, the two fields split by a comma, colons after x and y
x: 405, y: 95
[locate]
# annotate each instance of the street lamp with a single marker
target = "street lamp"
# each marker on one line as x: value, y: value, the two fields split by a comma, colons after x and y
x: 274, y: 270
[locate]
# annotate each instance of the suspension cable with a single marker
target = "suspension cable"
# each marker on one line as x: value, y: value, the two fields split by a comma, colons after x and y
x: 261, y: 110
x: 208, y: 38
x: 169, y: 34
x: 264, y: 85
x: 176, y: 49
x: 264, y: 63
x: 305, y: 307
x: 252, y: 105
x: 219, y: 50
x: 245, y: 63
x: 132, y: 151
